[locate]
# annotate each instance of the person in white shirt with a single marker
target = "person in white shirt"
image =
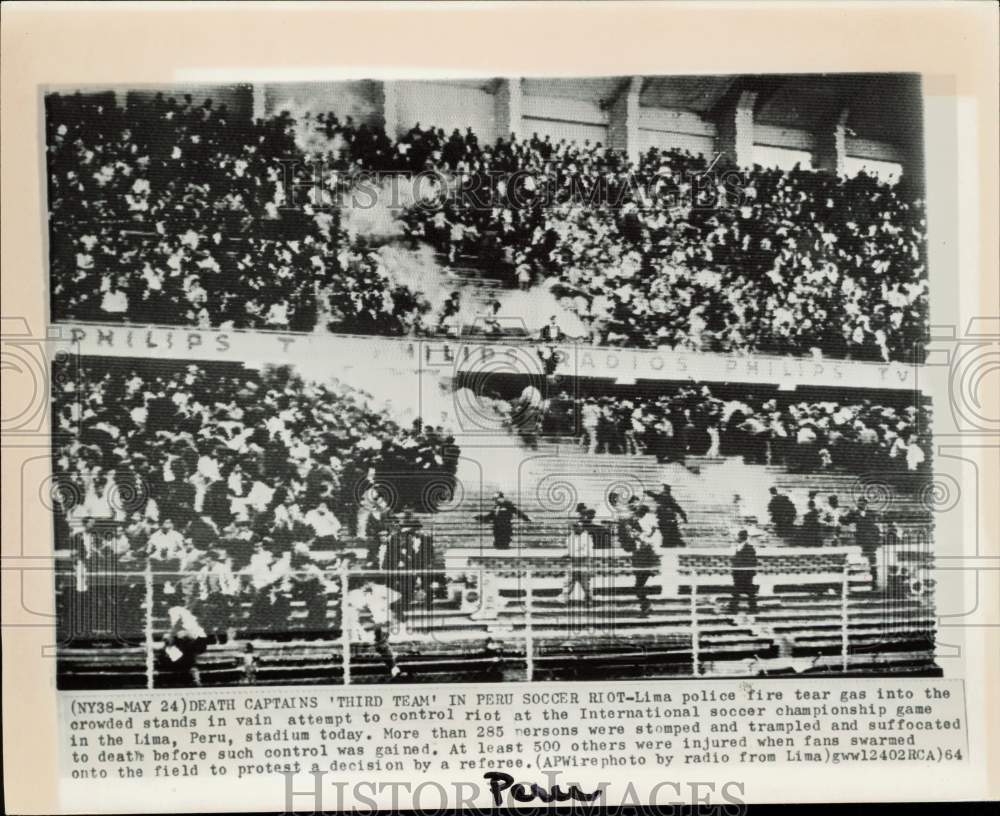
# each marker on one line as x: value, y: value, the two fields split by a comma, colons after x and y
x: 208, y: 468
x: 367, y: 504
x: 262, y: 583
x: 217, y: 575
x: 188, y: 567
x: 325, y: 524
x: 85, y: 547
x: 115, y: 299
x: 914, y: 454
x: 260, y: 496
x: 236, y: 480
x: 833, y: 517
x: 714, y: 441
x: 190, y: 557
x: 649, y: 531
x: 166, y: 542
x: 185, y: 640
x: 259, y: 568
x: 635, y: 432
x: 590, y: 416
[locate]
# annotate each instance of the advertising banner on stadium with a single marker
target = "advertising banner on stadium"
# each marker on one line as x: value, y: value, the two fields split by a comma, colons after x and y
x: 477, y: 355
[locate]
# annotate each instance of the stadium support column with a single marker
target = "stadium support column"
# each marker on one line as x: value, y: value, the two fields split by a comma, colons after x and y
x: 259, y: 101
x: 623, y: 119
x: 831, y: 145
x: 507, y: 107
x: 390, y: 108
x: 912, y: 148
x: 735, y: 137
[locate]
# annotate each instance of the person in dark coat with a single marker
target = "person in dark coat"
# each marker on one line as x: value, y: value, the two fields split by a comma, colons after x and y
x: 744, y: 565
x: 502, y: 518
x: 450, y: 310
x: 782, y: 512
x: 551, y: 332
x: 645, y: 564
x: 667, y: 513
x: 866, y: 535
x: 811, y: 531
x: 599, y: 533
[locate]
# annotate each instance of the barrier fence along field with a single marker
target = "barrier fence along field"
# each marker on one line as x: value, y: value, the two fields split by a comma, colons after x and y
x: 346, y: 607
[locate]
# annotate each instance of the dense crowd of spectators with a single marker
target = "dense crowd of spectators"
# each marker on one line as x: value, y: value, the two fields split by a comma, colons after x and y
x: 173, y: 211
x: 672, y: 252
x: 862, y: 436
x: 232, y: 477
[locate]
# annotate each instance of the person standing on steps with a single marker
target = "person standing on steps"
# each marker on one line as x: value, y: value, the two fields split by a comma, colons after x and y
x: 744, y: 566
x: 590, y: 417
x: 502, y: 518
x: 550, y: 336
x: 580, y: 546
x: 667, y: 513
x: 782, y: 512
x: 647, y: 529
x: 866, y: 535
x: 811, y: 529
x: 645, y: 561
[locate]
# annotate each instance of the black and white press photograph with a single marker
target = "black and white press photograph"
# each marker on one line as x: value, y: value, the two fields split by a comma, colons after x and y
x: 490, y: 380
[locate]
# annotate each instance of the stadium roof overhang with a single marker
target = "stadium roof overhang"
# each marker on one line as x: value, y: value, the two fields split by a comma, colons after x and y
x: 875, y: 104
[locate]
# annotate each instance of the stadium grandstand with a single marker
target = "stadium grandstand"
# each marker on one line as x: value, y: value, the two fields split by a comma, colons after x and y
x: 713, y: 213
x: 490, y: 380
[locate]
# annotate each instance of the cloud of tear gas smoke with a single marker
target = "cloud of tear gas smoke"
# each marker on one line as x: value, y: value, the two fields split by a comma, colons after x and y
x: 417, y: 269
x: 420, y: 270
x: 403, y: 394
x: 373, y: 211
x: 309, y: 137
x: 537, y: 305
x: 374, y: 206
x: 373, y: 214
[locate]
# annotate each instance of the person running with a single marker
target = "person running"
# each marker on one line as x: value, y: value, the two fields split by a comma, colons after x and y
x: 502, y: 518
x: 184, y: 641
x: 580, y: 546
x: 668, y: 511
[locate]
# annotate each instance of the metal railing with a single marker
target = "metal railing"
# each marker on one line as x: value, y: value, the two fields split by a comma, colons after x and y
x: 344, y: 613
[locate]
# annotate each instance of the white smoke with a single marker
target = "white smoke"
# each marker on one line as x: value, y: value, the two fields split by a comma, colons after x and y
x: 369, y: 211
x: 535, y: 306
x: 421, y: 271
x: 309, y: 138
x: 374, y: 205
x: 417, y: 269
